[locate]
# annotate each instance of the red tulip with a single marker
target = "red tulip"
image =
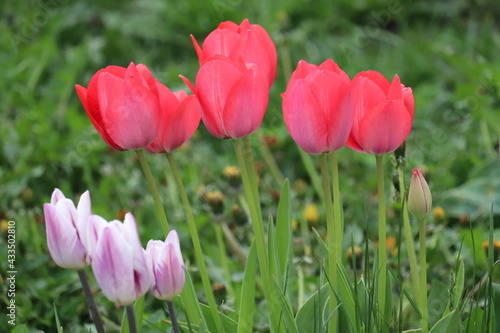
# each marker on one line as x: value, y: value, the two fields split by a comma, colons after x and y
x: 248, y: 41
x: 233, y: 96
x: 123, y: 105
x: 312, y: 107
x: 180, y: 118
x: 383, y: 113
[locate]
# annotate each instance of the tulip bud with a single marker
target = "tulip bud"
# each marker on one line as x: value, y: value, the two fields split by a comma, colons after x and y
x: 419, y: 196
x: 66, y: 228
x: 167, y: 265
x: 118, y: 259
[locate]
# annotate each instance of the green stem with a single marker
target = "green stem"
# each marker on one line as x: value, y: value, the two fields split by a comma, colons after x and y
x: 412, y: 257
x: 258, y: 227
x: 94, y: 312
x: 423, y: 275
x: 173, y: 317
x: 223, y: 258
x: 196, y: 243
x: 131, y: 319
x: 160, y: 212
x: 382, y: 235
x: 332, y: 248
x: 337, y: 208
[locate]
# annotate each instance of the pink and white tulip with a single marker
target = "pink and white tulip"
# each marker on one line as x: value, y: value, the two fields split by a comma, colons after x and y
x: 118, y: 259
x: 66, y: 228
x: 165, y: 259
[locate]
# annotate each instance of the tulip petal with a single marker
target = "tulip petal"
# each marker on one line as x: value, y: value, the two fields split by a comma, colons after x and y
x: 220, y: 41
x: 130, y: 112
x: 113, y: 268
x: 182, y: 125
x: 213, y: 83
x: 62, y: 239
x: 328, y: 88
x: 304, y: 119
x: 385, y: 128
x: 246, y: 104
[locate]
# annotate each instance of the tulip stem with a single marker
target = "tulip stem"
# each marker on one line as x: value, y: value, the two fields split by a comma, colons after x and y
x: 173, y: 317
x: 337, y: 208
x: 423, y: 274
x: 412, y: 257
x: 94, y: 312
x: 154, y: 191
x: 196, y: 243
x: 245, y: 161
x: 382, y: 235
x: 332, y: 246
x: 132, y: 325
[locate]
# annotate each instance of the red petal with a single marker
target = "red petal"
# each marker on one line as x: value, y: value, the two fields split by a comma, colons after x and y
x: 214, y: 81
x: 385, y: 128
x: 220, y: 41
x: 304, y: 119
x: 246, y: 104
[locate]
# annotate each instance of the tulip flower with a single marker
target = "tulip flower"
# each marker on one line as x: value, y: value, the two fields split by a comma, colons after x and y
x: 233, y: 96
x: 167, y: 265
x: 118, y: 259
x: 66, y: 228
x: 123, y: 105
x: 312, y: 107
x: 383, y: 113
x: 419, y: 195
x: 250, y: 42
x: 180, y: 118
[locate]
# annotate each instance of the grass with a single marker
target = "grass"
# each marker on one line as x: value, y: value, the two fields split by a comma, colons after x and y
x: 445, y: 51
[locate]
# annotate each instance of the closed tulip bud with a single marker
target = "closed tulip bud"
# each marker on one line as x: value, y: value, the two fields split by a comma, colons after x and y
x: 123, y: 105
x: 250, y: 42
x: 66, y: 228
x: 419, y: 196
x: 118, y: 259
x: 167, y: 265
x: 312, y: 107
x: 233, y: 96
x: 383, y: 113
x: 180, y: 117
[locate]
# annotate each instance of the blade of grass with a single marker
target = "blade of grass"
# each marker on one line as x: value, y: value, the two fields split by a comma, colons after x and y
x: 247, y: 304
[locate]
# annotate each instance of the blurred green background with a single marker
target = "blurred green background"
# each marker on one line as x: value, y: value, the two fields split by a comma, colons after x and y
x: 447, y: 51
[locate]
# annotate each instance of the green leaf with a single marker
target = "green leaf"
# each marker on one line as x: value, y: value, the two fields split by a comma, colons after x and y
x: 228, y: 324
x: 346, y: 295
x: 459, y: 285
x: 314, y: 312
x: 284, y: 228
x: 496, y: 307
x: 190, y: 303
x: 272, y: 259
x: 438, y: 300
x: 286, y: 310
x: 247, y: 305
x: 58, y: 323
x: 24, y: 329
x: 447, y: 324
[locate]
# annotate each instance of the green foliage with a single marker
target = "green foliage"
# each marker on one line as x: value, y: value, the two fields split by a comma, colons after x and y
x: 446, y: 51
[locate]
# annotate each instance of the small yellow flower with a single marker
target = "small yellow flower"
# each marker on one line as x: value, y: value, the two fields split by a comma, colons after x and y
x: 215, y: 199
x: 294, y: 224
x: 4, y: 225
x: 232, y: 174
x: 496, y: 248
x: 438, y: 213
x: 311, y: 214
x: 391, y: 245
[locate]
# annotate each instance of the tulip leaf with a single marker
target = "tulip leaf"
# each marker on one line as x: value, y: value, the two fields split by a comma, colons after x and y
x: 247, y: 304
x: 190, y: 302
x: 313, y: 313
x: 286, y: 310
